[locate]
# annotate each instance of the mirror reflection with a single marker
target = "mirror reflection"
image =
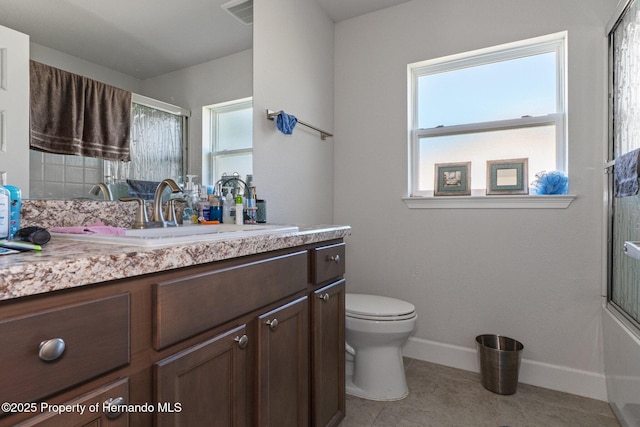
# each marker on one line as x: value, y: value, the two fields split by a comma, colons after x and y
x: 196, y: 58
x: 157, y: 151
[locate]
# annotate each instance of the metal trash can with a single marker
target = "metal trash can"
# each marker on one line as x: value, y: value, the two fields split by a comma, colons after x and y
x: 499, y: 358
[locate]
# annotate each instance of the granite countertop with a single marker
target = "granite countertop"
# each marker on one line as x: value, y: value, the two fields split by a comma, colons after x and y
x: 65, y: 263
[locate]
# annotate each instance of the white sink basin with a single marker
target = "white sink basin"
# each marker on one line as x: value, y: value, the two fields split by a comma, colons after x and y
x: 150, y: 237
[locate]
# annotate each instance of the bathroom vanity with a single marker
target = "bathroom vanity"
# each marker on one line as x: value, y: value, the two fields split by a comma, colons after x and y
x: 241, y: 333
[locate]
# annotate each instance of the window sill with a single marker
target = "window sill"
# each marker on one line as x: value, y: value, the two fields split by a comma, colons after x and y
x: 490, y: 202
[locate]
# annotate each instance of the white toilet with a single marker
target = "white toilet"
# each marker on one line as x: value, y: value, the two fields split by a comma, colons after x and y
x: 376, y: 327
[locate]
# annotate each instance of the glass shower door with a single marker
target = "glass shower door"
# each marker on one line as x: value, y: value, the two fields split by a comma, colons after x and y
x: 624, y: 42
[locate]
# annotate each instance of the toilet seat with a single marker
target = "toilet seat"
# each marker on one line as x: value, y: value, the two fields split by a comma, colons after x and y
x: 378, y: 308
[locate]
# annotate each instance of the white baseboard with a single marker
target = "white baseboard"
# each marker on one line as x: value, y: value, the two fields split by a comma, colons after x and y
x: 554, y: 377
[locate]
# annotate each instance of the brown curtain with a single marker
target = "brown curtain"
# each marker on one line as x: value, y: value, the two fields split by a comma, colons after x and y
x: 71, y: 114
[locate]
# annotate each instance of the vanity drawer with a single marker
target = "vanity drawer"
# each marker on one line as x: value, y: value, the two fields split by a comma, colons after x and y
x: 192, y: 304
x: 328, y: 262
x: 95, y: 335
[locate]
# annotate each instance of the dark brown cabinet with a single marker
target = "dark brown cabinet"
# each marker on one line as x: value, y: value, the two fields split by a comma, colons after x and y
x: 283, y: 366
x: 100, y: 407
x: 327, y: 355
x: 250, y: 341
x: 205, y: 382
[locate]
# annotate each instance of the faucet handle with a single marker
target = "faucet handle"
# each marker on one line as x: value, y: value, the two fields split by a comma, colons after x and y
x: 141, y: 219
x: 171, y: 217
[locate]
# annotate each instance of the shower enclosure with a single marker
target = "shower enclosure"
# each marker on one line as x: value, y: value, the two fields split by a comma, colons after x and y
x: 621, y: 319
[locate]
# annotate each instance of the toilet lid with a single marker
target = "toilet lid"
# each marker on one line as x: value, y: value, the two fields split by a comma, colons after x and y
x: 375, y: 307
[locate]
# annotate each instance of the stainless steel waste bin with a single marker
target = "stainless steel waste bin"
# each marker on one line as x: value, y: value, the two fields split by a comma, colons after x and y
x: 499, y: 358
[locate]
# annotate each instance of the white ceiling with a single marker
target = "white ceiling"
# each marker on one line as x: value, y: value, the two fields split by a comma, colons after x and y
x: 339, y: 10
x: 147, y: 38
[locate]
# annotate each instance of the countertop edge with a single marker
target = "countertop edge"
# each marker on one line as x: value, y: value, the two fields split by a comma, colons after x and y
x: 65, y: 264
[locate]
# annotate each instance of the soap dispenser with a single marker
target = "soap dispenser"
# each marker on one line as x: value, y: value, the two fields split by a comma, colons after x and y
x: 190, y: 214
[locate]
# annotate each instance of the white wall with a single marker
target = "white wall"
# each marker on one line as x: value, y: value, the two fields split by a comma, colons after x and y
x: 293, y: 68
x: 82, y: 67
x: 531, y: 274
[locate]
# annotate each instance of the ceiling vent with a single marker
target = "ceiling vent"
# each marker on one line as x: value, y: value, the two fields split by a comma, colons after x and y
x: 241, y: 10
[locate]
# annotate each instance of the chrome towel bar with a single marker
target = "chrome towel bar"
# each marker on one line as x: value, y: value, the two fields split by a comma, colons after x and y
x: 271, y: 115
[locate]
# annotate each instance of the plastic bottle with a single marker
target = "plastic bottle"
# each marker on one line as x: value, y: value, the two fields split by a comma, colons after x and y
x: 4, y: 212
x: 190, y: 214
x: 226, y: 207
x: 239, y: 213
x: 203, y: 204
x: 252, y: 207
x: 215, y: 211
x: 15, y: 204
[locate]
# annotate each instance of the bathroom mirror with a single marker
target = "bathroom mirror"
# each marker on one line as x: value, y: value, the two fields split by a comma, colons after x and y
x: 139, y: 45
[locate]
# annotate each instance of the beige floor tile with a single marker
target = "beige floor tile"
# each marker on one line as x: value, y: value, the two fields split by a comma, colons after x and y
x: 440, y: 396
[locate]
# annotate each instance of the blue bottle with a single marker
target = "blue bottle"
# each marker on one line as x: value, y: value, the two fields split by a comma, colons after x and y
x: 4, y: 213
x: 15, y: 204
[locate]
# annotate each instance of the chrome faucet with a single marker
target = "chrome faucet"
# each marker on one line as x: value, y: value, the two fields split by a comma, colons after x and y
x: 141, y: 219
x: 158, y: 216
x: 101, y: 187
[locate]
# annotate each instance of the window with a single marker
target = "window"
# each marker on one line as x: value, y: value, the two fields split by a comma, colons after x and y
x: 230, y: 132
x: 505, y: 102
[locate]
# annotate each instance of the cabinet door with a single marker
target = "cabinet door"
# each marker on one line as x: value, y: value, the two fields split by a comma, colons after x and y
x: 89, y: 410
x: 205, y: 384
x: 283, y: 366
x: 327, y: 355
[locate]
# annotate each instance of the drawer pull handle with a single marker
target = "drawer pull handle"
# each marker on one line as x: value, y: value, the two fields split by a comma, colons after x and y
x: 334, y: 258
x: 113, y: 404
x: 242, y: 341
x: 324, y: 297
x: 273, y: 324
x: 51, y: 349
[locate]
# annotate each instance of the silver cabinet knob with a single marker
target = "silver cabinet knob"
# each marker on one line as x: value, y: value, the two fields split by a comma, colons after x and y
x: 334, y: 258
x: 242, y: 341
x: 51, y: 349
x: 113, y: 404
x: 324, y: 297
x: 273, y: 324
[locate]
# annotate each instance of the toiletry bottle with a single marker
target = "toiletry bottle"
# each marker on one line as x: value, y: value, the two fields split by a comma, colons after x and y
x: 203, y: 204
x: 239, y: 213
x: 4, y: 212
x: 215, y: 211
x: 226, y: 207
x: 252, y: 206
x: 15, y: 204
x: 190, y: 213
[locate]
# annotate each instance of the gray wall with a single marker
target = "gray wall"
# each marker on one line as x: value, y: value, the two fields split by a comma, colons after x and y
x: 533, y: 274
x: 293, y: 69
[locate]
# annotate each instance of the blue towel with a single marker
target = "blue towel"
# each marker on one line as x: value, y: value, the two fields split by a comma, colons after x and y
x: 286, y: 122
x: 625, y: 176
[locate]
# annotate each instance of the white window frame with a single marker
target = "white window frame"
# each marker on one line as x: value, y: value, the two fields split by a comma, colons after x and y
x: 551, y: 43
x: 210, y: 133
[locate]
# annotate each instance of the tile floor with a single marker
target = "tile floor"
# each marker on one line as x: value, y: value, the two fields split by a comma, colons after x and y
x: 440, y: 396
